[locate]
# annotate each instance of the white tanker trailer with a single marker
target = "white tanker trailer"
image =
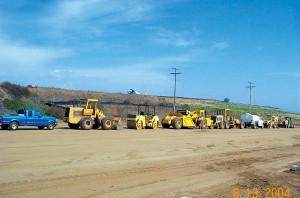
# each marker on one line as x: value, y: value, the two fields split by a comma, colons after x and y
x: 252, y: 120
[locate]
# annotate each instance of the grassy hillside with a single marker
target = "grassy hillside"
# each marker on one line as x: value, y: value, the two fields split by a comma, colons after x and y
x: 13, y: 97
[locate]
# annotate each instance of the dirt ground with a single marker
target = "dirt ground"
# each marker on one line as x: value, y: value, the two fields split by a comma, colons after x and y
x: 148, y: 163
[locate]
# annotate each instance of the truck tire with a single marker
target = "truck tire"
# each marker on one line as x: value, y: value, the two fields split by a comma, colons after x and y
x: 177, y: 123
x: 242, y: 125
x: 106, y: 123
x: 254, y: 126
x: 13, y: 126
x: 50, y: 126
x: 86, y: 123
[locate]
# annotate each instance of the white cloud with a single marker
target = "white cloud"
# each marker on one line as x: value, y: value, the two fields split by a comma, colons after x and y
x: 68, y: 13
x: 166, y: 37
x: 117, y: 79
x: 23, y: 54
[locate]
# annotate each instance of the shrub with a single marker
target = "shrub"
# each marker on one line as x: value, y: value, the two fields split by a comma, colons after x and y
x: 15, y: 90
x: 56, y: 112
x: 226, y: 100
x: 16, y: 104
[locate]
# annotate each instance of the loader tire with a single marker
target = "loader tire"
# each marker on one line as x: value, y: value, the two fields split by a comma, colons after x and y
x: 106, y: 123
x: 86, y: 123
x: 177, y: 123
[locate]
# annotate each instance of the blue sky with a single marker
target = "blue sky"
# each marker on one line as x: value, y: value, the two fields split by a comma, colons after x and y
x: 114, y: 45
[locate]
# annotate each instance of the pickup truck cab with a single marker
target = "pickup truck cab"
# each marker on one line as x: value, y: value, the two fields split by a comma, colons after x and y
x: 27, y: 117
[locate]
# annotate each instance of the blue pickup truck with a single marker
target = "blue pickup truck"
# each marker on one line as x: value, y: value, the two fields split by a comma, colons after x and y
x: 27, y: 117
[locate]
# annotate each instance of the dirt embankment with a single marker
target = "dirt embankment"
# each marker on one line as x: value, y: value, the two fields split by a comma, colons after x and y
x: 54, y: 94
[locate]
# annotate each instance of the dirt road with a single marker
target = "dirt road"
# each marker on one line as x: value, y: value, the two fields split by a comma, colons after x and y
x: 147, y: 163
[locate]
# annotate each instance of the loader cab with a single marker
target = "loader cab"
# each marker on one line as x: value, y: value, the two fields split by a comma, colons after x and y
x: 217, y: 118
x: 89, y: 106
x: 224, y: 113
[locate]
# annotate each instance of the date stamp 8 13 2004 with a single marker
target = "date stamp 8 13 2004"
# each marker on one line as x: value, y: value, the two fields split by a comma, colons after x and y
x: 264, y: 193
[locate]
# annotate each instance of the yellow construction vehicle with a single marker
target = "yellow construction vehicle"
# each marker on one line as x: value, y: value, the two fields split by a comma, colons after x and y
x: 286, y: 123
x: 272, y: 122
x: 222, y: 120
x: 187, y: 119
x: 143, y: 119
x: 88, y: 116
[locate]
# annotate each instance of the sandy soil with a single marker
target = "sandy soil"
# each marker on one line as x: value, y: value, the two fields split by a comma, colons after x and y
x: 147, y: 163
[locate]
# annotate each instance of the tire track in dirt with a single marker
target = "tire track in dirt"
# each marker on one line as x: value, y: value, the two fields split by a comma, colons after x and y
x: 233, y: 162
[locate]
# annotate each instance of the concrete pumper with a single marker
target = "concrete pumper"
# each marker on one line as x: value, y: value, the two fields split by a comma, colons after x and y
x: 143, y: 119
x: 88, y: 116
x: 223, y: 121
x: 187, y: 119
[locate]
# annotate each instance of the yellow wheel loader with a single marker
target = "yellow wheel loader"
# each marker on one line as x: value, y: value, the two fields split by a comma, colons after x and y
x: 145, y: 118
x: 187, y: 119
x: 88, y: 116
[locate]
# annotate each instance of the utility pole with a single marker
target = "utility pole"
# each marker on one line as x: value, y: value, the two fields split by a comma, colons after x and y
x: 175, y: 73
x: 250, y: 87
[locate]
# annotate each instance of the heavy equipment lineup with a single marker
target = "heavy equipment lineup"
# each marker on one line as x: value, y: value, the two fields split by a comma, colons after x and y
x: 88, y: 116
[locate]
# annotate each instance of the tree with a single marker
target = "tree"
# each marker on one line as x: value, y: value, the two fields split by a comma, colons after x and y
x: 226, y: 100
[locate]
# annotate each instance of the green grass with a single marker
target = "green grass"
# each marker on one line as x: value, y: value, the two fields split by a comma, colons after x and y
x: 16, y: 104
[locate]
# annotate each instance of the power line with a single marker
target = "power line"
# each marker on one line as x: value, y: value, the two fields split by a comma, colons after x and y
x: 175, y: 73
x: 251, y: 86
